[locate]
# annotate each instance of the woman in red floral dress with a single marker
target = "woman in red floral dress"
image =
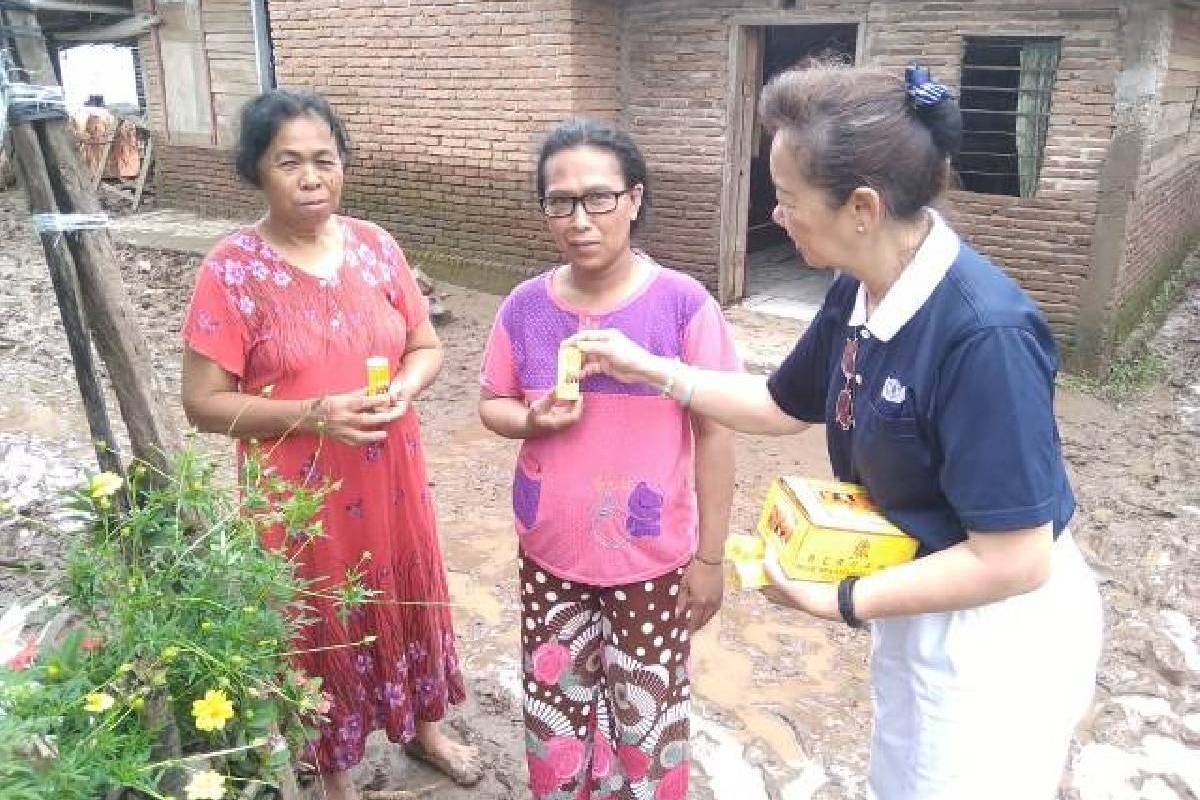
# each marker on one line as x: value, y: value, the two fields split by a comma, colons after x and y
x: 284, y: 315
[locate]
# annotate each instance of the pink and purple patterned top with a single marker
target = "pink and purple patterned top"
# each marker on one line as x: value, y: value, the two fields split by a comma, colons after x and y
x: 612, y: 499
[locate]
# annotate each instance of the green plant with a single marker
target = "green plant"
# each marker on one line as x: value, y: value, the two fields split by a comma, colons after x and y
x: 1136, y: 366
x: 1129, y: 375
x: 186, y: 620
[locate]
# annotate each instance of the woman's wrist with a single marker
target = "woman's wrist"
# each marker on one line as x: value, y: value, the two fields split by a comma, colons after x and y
x: 661, y: 371
x: 314, y: 417
x: 680, y: 382
x: 404, y: 388
x: 532, y: 429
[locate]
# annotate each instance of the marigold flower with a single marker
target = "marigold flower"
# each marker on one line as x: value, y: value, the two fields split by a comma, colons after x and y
x: 212, y: 711
x: 207, y: 785
x: 97, y: 702
x: 106, y: 484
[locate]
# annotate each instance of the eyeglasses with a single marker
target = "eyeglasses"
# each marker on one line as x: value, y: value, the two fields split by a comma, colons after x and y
x: 844, y: 409
x: 561, y: 205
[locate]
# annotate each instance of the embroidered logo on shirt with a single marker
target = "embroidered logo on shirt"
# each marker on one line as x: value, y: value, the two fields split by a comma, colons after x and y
x: 893, y: 391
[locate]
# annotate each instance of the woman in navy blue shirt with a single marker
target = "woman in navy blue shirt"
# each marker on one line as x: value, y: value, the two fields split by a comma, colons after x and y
x: 933, y: 374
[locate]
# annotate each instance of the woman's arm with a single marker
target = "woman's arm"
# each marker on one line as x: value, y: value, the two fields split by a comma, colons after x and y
x: 985, y: 568
x: 704, y: 582
x: 213, y: 404
x: 420, y: 365
x: 733, y: 399
x: 513, y: 419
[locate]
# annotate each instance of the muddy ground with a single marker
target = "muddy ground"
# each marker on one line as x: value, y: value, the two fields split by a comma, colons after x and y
x: 781, y: 703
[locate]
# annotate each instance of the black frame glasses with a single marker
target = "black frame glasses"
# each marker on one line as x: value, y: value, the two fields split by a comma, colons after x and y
x: 560, y: 206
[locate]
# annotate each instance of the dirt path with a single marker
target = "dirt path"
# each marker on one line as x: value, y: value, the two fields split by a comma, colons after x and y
x: 781, y: 701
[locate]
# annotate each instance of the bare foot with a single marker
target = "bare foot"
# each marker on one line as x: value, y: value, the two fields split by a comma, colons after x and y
x: 337, y: 786
x: 459, y: 762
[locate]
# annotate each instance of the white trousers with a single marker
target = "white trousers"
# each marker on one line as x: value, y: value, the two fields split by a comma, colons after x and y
x: 981, y: 704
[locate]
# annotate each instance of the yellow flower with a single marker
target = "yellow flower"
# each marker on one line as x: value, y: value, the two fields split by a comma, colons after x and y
x: 105, y: 484
x: 170, y: 653
x: 212, y: 711
x: 207, y: 785
x: 97, y: 702
x: 137, y: 703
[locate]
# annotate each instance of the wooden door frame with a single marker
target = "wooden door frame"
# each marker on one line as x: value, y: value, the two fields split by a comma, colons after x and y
x: 746, y: 41
x: 745, y: 76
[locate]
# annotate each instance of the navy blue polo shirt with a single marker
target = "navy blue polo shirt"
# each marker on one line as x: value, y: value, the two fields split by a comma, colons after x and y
x: 953, y: 397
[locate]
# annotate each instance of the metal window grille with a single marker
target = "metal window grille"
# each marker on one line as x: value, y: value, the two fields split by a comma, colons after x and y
x: 1005, y: 94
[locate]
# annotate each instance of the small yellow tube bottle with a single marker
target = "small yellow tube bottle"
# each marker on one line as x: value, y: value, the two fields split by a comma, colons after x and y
x: 570, y: 364
x: 379, y: 375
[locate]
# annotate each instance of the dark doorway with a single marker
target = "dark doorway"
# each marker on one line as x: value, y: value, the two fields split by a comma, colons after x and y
x: 772, y: 264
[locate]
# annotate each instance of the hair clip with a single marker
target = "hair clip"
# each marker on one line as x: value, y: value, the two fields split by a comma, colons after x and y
x: 923, y: 91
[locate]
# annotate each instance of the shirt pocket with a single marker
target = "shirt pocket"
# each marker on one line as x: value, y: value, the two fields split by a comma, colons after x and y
x: 892, y: 456
x: 887, y: 419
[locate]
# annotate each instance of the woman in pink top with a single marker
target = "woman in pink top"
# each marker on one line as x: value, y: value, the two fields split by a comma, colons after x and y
x: 621, y: 498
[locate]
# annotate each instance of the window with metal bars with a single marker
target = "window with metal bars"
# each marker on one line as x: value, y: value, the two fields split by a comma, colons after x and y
x: 1007, y: 84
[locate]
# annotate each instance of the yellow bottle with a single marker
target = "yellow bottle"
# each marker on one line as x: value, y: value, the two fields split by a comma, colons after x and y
x: 570, y: 364
x: 379, y: 375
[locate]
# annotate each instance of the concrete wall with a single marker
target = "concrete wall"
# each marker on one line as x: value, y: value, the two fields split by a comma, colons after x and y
x: 1166, y: 202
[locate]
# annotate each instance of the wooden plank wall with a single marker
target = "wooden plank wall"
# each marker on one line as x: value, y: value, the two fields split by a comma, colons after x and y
x: 232, y: 65
x: 1177, y: 138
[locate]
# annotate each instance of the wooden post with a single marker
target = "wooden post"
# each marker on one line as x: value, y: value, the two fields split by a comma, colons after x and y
x: 28, y: 157
x: 152, y: 435
x: 99, y: 176
x: 147, y: 159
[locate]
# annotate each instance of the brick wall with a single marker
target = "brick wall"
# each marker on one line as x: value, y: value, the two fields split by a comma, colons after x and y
x: 203, y: 179
x: 1166, y: 203
x: 675, y: 93
x: 445, y: 102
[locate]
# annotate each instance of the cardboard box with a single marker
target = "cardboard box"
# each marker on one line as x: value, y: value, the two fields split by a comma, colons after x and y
x: 821, y: 531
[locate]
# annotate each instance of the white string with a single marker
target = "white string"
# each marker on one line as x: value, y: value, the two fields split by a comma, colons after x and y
x: 25, y: 96
x: 62, y: 223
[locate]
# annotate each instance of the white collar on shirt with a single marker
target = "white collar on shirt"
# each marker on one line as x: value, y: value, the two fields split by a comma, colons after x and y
x: 914, y: 286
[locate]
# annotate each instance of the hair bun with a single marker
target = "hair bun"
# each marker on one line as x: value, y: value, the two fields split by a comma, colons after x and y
x: 936, y: 107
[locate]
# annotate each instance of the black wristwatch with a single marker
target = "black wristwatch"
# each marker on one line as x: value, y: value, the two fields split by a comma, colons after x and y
x: 846, y: 601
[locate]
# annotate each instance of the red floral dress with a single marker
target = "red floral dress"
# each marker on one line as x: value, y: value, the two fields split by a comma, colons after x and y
x: 273, y: 325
